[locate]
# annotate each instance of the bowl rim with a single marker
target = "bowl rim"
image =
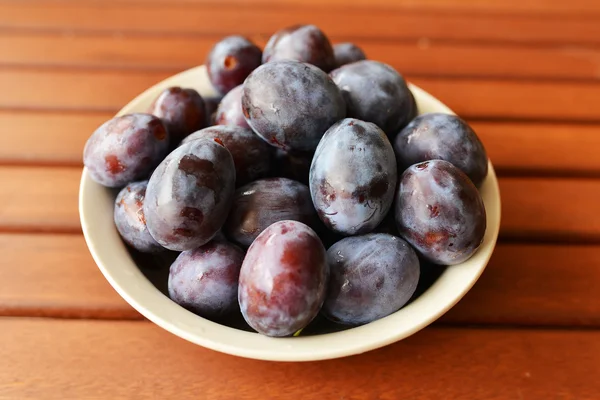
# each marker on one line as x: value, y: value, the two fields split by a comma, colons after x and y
x: 124, y: 276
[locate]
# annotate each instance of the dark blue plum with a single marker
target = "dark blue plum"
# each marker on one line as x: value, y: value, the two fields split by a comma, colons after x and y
x: 189, y: 195
x: 230, y: 61
x: 261, y: 203
x: 291, y: 104
x: 251, y: 155
x: 283, y: 279
x: 371, y: 276
x: 205, y: 280
x: 305, y: 43
x: 353, y: 177
x: 125, y: 149
x: 181, y: 110
x: 437, y: 136
x: 130, y: 220
x: 440, y: 212
x: 375, y: 92
x: 346, y: 53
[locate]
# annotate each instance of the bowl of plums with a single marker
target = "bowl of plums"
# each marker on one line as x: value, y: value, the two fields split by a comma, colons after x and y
x: 295, y: 203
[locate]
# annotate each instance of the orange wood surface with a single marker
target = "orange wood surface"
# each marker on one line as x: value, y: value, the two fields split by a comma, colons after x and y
x: 525, y: 74
x: 260, y: 21
x: 418, y: 57
x: 138, y: 360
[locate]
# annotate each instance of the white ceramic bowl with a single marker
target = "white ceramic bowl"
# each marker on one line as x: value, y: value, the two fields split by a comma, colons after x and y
x: 115, y: 262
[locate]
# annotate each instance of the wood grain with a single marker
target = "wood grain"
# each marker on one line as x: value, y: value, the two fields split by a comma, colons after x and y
x: 529, y: 285
x: 109, y: 90
x: 543, y: 285
x: 51, y: 138
x: 115, y: 360
x: 416, y: 57
x: 577, y: 7
x: 340, y: 23
x: 39, y: 199
x: 72, y: 89
x: 541, y: 148
x: 557, y: 209
x: 54, y: 276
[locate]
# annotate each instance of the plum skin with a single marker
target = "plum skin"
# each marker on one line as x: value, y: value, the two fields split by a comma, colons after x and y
x: 130, y: 220
x: 291, y: 104
x: 353, y: 177
x: 205, y: 280
x: 261, y: 203
x: 371, y: 276
x: 283, y: 279
x: 125, y: 149
x: 189, y: 195
x: 440, y: 212
x: 442, y: 137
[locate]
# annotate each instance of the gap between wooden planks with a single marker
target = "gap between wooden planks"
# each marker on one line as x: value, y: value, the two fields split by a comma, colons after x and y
x: 43, y: 199
x: 342, y: 22
x: 419, y: 58
x: 54, y: 138
x: 100, y: 90
x: 124, y: 359
x: 527, y: 285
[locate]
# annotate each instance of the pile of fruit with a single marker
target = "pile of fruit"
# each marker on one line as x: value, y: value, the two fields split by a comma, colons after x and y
x: 311, y: 145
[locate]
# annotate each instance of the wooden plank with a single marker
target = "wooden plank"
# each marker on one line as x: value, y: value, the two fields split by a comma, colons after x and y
x: 577, y: 7
x: 39, y: 199
x: 109, y: 90
x: 54, y: 276
x: 73, y: 89
x: 538, y: 208
x: 417, y: 58
x: 520, y: 100
x: 545, y: 285
x: 556, y: 209
x: 58, y: 138
x: 76, y: 358
x: 52, y: 138
x: 339, y: 22
x: 542, y: 148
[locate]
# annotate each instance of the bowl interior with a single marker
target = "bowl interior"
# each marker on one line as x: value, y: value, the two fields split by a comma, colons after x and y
x: 145, y: 290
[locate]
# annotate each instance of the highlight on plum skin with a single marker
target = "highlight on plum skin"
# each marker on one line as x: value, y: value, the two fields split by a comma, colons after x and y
x: 189, y: 195
x: 304, y: 43
x: 371, y: 276
x: 205, y: 280
x: 283, y: 279
x: 261, y: 203
x: 182, y: 110
x: 353, y: 177
x: 230, y: 61
x: 251, y: 155
x: 440, y: 212
x: 125, y: 149
x: 442, y: 137
x: 229, y: 111
x: 291, y: 104
x: 375, y: 92
x: 130, y: 220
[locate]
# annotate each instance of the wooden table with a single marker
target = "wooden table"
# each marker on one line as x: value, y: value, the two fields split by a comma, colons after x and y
x: 526, y: 74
